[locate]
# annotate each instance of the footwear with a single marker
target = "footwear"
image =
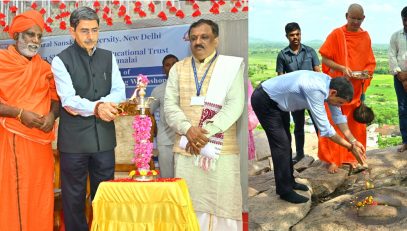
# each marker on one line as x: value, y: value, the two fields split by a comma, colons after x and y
x: 402, y: 148
x: 294, y: 197
x: 299, y: 186
x: 298, y: 158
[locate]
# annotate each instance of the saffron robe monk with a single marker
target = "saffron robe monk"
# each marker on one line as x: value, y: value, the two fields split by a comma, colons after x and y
x: 28, y: 108
x: 345, y: 50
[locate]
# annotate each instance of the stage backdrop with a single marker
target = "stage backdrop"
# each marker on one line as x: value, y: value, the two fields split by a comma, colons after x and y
x: 137, y: 51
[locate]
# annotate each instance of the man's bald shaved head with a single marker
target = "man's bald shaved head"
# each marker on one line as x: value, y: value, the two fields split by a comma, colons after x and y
x: 355, y: 7
x: 355, y: 17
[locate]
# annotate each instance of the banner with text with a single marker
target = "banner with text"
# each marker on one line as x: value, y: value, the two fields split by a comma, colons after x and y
x: 137, y: 51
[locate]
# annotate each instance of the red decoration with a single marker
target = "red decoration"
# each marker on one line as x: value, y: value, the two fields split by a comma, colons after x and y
x: 43, y: 11
x: 58, y: 17
x: 180, y: 14
x: 234, y: 10
x: 214, y: 10
x: 34, y: 6
x: 62, y: 6
x: 173, y: 9
x: 96, y: 4
x: 2, y: 15
x: 6, y: 29
x: 151, y: 7
x: 121, y: 13
x: 105, y: 16
x: 2, y: 23
x: 55, y: 1
x: 49, y: 20
x: 122, y: 8
x: 106, y: 9
x: 162, y: 15
x: 169, y: 3
x: 128, y: 22
x: 221, y: 2
x: 195, y: 6
x: 137, y: 4
x: 196, y: 13
x: 238, y: 4
x: 109, y: 21
x: 116, y: 3
x: 245, y: 9
x: 47, y: 28
x: 65, y: 14
x: 62, y: 25
x: 136, y: 9
x: 13, y: 9
x: 6, y: 1
x: 76, y: 4
x: 142, y: 14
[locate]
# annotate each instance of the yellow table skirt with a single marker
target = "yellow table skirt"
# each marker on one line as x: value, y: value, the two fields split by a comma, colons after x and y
x: 149, y: 206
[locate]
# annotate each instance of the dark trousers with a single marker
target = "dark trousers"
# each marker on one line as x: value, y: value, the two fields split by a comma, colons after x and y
x: 75, y: 168
x: 402, y: 108
x: 299, y: 134
x: 276, y: 124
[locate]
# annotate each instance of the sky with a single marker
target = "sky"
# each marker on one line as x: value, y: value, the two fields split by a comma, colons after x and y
x: 317, y: 18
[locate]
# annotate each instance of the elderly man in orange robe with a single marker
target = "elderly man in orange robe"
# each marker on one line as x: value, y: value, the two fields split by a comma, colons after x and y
x: 28, y: 108
x: 347, y: 49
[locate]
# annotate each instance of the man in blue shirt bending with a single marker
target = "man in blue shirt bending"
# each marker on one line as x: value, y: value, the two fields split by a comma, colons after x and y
x: 275, y: 98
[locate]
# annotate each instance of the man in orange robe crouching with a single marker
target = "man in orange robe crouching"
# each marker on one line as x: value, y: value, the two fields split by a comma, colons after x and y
x: 28, y: 109
x: 346, y: 50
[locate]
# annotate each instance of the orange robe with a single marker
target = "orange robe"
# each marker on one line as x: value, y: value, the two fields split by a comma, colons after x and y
x: 26, y: 159
x: 354, y: 50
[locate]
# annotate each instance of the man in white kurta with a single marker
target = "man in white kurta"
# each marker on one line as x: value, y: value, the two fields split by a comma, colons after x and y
x: 165, y: 134
x: 204, y: 98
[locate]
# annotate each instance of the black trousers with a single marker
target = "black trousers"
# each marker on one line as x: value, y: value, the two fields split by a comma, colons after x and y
x: 75, y: 168
x: 299, y: 134
x: 276, y: 124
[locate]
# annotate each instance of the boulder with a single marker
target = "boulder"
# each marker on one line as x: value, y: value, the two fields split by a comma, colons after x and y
x: 268, y: 212
x: 258, y: 167
x: 322, y: 182
x: 341, y: 213
x: 262, y: 145
x: 304, y: 163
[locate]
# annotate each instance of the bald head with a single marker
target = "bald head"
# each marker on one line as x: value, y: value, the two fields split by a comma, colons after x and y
x: 355, y: 17
x: 355, y: 8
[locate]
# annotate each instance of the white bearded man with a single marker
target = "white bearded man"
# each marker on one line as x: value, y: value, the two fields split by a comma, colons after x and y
x: 204, y: 98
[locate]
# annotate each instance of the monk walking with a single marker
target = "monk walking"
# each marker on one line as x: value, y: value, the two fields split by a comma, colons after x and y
x: 347, y: 49
x: 28, y: 109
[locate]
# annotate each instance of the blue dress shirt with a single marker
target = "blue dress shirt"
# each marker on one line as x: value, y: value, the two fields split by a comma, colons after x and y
x: 305, y: 90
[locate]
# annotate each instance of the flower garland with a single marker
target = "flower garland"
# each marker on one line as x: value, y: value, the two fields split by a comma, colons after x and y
x: 56, y: 12
x: 143, y: 148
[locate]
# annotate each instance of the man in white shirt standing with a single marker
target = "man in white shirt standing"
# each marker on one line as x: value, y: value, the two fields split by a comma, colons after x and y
x: 204, y: 99
x: 165, y: 135
x: 398, y: 66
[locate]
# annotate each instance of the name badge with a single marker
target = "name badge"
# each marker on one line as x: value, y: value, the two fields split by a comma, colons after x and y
x: 197, y: 100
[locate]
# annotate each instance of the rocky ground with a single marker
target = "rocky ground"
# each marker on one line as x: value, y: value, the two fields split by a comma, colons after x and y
x: 334, y: 197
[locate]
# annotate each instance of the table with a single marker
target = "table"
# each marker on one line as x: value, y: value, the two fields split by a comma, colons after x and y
x: 128, y: 205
